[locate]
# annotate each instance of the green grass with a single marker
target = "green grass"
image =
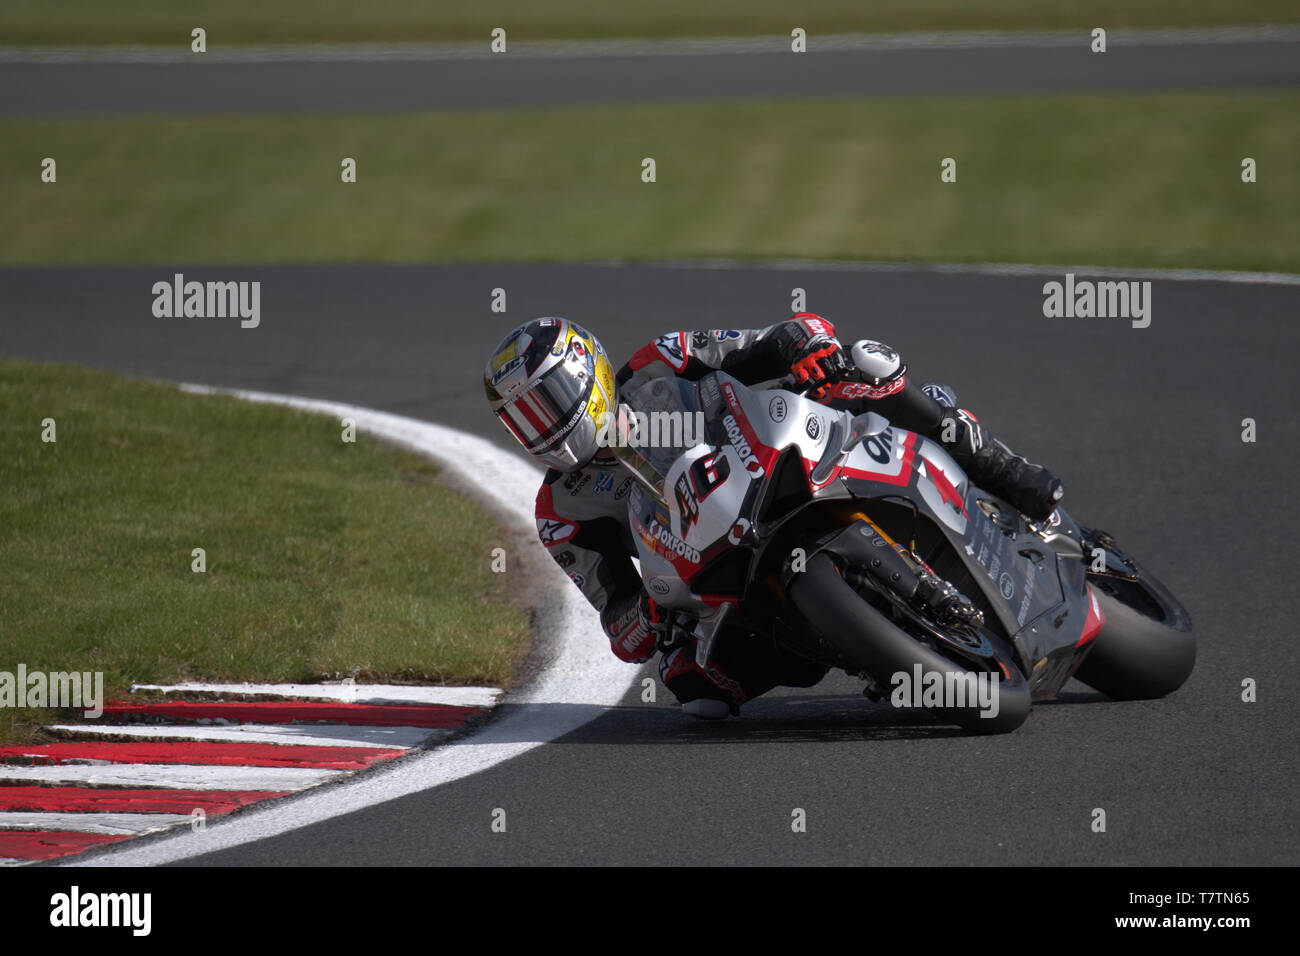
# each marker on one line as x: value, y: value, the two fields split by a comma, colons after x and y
x: 300, y: 21
x: 324, y: 559
x: 1149, y: 180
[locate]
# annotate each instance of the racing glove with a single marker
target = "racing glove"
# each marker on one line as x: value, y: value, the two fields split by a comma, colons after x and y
x: 808, y: 345
x: 1031, y: 489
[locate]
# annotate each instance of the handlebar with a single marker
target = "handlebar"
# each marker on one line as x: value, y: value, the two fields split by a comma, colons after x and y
x: 790, y: 384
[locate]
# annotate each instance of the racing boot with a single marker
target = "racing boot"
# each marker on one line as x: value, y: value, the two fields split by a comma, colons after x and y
x: 708, y: 693
x: 1030, y: 489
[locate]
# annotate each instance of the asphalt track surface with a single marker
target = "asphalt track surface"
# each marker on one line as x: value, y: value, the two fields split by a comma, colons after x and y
x: 1144, y: 424
x: 197, y: 86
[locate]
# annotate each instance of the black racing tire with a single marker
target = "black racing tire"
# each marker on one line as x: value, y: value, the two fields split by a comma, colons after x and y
x: 1137, y: 656
x: 871, y: 642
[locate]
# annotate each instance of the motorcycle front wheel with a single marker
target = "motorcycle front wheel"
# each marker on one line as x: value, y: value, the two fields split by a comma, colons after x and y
x: 882, y: 650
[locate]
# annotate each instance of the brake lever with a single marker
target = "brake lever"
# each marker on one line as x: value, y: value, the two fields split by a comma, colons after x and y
x: 791, y: 384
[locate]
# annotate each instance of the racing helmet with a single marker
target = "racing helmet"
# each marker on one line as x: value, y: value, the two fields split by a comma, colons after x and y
x: 550, y: 383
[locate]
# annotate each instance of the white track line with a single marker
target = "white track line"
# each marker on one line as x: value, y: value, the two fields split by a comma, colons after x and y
x: 964, y: 268
x: 583, y: 679
x: 171, y: 776
x: 698, y: 46
x: 117, y: 823
x: 315, y: 735
x: 347, y: 693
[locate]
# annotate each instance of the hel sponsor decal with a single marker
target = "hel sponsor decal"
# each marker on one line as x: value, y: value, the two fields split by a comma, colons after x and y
x: 673, y: 349
x: 674, y: 544
x: 82, y: 691
x: 210, y: 300
x: 624, y: 488
x: 947, y: 689
x: 554, y: 532
x: 659, y: 586
x: 776, y: 409
x: 74, y: 908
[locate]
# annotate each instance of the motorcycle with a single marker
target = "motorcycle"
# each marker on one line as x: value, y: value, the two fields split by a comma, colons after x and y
x: 792, y: 522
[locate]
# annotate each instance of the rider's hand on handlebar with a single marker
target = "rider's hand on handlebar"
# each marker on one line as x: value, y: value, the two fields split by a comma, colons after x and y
x: 819, y: 362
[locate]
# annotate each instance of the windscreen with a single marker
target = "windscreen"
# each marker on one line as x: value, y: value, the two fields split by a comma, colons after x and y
x: 658, y: 420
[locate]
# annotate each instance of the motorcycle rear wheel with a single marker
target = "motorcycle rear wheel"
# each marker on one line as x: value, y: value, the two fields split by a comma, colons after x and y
x: 1146, y: 648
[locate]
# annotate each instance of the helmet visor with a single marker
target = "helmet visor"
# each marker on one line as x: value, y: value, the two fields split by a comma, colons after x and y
x: 548, y: 411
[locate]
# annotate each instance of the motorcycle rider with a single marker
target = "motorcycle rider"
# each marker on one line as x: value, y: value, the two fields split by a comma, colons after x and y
x: 550, y: 382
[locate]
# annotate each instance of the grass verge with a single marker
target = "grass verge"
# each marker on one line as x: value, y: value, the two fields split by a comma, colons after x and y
x: 1135, y: 180
x: 324, y: 559
x: 319, y: 21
